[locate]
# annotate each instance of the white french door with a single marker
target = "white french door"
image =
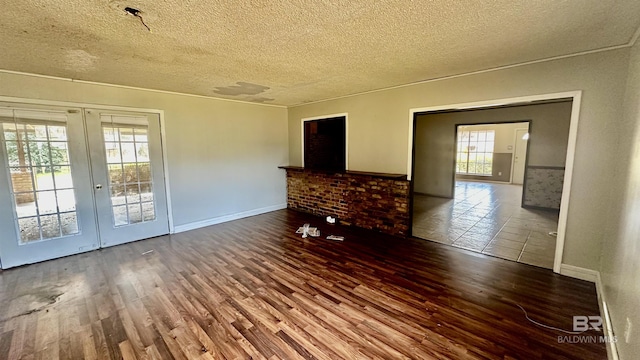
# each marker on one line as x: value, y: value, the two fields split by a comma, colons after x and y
x: 128, y: 175
x: 44, y: 210
x: 73, y: 180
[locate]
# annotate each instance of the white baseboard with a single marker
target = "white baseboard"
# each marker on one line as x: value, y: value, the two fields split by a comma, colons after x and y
x: 225, y: 218
x: 579, y: 273
x: 612, y: 349
x: 594, y: 277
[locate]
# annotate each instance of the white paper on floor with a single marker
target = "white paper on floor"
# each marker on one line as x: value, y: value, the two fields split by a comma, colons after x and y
x: 307, y: 230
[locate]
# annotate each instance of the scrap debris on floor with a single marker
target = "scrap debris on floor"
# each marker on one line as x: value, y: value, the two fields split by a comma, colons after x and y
x: 307, y: 230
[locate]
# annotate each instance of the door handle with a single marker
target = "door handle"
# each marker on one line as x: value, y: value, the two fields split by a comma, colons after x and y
x: 99, y: 187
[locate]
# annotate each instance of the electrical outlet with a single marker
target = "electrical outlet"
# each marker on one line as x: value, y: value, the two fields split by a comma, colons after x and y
x: 627, y: 331
x: 499, y: 173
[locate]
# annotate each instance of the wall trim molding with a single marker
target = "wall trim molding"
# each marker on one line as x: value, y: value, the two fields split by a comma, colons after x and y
x: 225, y: 218
x: 50, y: 77
x: 595, y: 277
x: 546, y: 167
x: 581, y: 273
x: 634, y: 38
x: 475, y: 180
x: 482, y: 71
x: 612, y: 348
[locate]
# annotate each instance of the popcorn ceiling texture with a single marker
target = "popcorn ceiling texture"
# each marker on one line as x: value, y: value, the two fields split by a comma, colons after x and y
x: 295, y: 52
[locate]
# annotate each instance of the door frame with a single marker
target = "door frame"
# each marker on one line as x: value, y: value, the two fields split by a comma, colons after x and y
x: 526, y: 155
x: 163, y: 135
x: 575, y: 96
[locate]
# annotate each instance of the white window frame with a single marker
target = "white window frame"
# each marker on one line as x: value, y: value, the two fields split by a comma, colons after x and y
x: 468, y: 142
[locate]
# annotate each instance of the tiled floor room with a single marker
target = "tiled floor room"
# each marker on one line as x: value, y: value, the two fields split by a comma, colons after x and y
x: 487, y: 218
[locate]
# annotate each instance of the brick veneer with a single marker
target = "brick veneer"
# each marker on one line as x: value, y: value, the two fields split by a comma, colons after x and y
x: 365, y: 200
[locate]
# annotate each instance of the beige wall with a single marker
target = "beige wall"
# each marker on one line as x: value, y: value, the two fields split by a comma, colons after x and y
x: 222, y: 155
x: 379, y: 128
x: 620, y: 267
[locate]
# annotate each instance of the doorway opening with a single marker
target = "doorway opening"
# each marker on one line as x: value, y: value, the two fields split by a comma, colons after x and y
x: 491, y: 179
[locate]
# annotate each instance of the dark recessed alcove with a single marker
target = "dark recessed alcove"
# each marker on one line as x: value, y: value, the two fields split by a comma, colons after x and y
x: 325, y: 144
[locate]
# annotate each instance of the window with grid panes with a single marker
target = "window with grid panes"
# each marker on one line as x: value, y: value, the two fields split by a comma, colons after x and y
x: 475, y: 152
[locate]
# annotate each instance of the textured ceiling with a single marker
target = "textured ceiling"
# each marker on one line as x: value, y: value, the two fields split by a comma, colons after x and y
x: 292, y: 52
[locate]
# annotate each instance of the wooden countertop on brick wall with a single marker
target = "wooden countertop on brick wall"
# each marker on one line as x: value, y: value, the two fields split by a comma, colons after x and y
x: 362, y: 173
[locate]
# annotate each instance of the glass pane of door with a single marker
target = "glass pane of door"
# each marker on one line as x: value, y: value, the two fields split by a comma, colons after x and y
x: 129, y: 167
x: 41, y: 182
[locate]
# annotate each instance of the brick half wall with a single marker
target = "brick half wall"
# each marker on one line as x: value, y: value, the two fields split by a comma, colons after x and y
x: 364, y: 200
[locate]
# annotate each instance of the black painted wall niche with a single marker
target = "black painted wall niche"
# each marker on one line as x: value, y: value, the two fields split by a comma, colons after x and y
x: 325, y: 142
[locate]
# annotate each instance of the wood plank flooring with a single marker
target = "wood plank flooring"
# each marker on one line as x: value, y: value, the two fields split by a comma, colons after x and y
x: 252, y: 289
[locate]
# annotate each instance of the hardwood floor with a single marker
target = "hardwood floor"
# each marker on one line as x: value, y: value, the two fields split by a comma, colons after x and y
x: 252, y: 289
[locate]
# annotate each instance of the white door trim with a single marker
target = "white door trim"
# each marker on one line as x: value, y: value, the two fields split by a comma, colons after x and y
x: 346, y: 134
x: 515, y: 149
x: 576, y: 96
x: 163, y: 134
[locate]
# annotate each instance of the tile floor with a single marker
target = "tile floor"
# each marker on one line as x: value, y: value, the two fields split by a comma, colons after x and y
x: 487, y: 218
